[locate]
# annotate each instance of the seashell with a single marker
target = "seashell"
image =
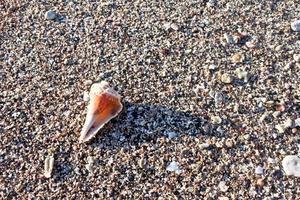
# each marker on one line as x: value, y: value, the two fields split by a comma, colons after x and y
x: 104, y: 104
x: 48, y: 167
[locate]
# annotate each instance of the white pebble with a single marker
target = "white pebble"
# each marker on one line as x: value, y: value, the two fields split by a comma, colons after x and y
x: 223, y: 187
x: 288, y: 123
x: 280, y: 128
x: 259, y: 170
x: 291, y: 165
x: 173, y: 167
x: 216, y: 120
x: 88, y: 82
x: 50, y: 15
x: 174, y: 27
x: 295, y: 25
x: 169, y: 25
x: 226, y: 78
x: 212, y: 66
x: 296, y: 57
x: 86, y: 96
x: 242, y: 74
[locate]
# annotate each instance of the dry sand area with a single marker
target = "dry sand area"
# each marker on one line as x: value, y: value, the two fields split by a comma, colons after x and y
x: 210, y: 91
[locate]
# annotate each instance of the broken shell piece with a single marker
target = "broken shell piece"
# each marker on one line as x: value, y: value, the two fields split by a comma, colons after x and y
x: 48, y: 167
x: 105, y: 104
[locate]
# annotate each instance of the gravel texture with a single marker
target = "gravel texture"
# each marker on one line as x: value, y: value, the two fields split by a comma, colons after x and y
x: 187, y: 131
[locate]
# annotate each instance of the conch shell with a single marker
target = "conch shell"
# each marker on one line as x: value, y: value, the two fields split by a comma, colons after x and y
x: 105, y: 104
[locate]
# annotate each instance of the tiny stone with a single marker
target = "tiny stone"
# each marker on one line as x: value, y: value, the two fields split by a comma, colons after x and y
x: 278, y: 48
x: 229, y: 143
x: 216, y: 120
x: 203, y: 145
x: 280, y: 107
x: 260, y: 182
x: 242, y: 74
x: 88, y: 82
x: 211, y: 3
x: 219, y: 144
x: 238, y: 58
x: 246, y: 137
x: 291, y: 165
x: 226, y: 78
x: 86, y: 96
x: 223, y: 187
x: 252, y: 43
x: 167, y: 25
x: 288, y: 123
x: 174, y: 27
x: 296, y: 57
x: 294, y: 130
x: 223, y: 198
x: 50, y: 15
x: 212, y: 67
x: 295, y: 25
x: 173, y: 167
x: 228, y: 38
x: 288, y: 66
x: 259, y: 170
x: 280, y: 128
x: 276, y: 114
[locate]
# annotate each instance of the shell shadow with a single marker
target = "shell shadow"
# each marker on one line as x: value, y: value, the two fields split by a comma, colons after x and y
x: 145, y: 123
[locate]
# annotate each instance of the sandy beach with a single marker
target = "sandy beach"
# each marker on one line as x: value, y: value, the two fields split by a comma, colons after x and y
x: 210, y: 94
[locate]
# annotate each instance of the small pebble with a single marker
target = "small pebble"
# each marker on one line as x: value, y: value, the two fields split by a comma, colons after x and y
x: 288, y: 123
x: 280, y: 107
x: 280, y: 128
x: 216, y: 120
x: 212, y: 67
x: 173, y: 167
x: 296, y: 57
x: 50, y: 15
x: 223, y: 187
x: 259, y: 170
x: 174, y: 27
x: 252, y: 43
x: 295, y: 25
x: 169, y: 25
x: 242, y: 74
x: 88, y: 82
x: 238, y: 58
x: 291, y: 165
x: 223, y: 198
x: 226, y: 78
x: 204, y: 145
x: 229, y: 143
x: 86, y: 96
x: 228, y: 38
x: 260, y: 182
